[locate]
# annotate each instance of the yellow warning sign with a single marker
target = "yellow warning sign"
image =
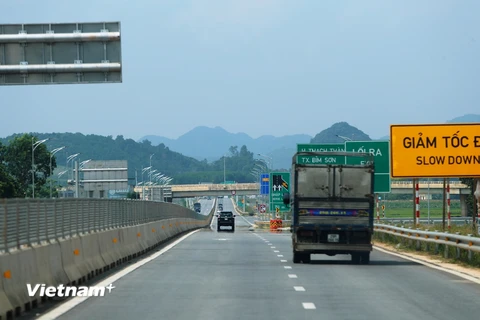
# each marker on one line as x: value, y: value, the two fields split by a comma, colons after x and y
x: 437, y: 150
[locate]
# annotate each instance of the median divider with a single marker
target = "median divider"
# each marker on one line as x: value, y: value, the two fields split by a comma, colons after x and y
x: 73, y: 261
x: 49, y: 264
x: 110, y: 247
x: 18, y: 270
x: 92, y: 260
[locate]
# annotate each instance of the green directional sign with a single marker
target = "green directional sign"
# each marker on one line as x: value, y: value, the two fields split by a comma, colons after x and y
x: 326, y: 147
x: 381, y: 152
x: 279, y: 184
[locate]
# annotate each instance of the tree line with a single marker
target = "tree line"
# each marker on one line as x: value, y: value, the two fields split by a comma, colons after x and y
x: 16, y: 162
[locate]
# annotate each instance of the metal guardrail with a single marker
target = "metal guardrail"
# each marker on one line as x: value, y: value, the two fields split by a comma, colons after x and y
x: 463, y: 242
x: 454, y: 220
x: 25, y: 222
x: 433, y: 184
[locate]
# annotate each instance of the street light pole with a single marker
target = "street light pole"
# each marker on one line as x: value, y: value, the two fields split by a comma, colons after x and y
x: 143, y: 182
x: 269, y: 163
x: 224, y: 172
x: 34, y: 146
x: 151, y: 165
x: 51, y: 155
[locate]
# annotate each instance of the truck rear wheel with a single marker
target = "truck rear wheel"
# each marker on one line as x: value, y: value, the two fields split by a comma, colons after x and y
x: 365, y: 257
x: 306, y: 258
x: 356, y: 258
x: 296, y: 257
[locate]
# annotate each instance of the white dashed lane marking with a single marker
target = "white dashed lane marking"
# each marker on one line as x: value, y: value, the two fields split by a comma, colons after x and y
x: 276, y: 251
x: 292, y: 276
x: 280, y: 255
x: 299, y: 288
x: 287, y: 267
x: 283, y: 260
x: 308, y: 305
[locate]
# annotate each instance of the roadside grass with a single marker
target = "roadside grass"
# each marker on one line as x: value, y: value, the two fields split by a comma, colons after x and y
x: 405, y: 208
x: 442, y: 252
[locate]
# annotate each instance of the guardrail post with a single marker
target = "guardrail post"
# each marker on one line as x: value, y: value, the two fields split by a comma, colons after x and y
x: 446, y: 252
x: 469, y: 251
x: 458, y: 249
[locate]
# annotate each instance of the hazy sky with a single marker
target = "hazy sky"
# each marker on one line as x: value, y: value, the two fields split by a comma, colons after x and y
x: 260, y: 66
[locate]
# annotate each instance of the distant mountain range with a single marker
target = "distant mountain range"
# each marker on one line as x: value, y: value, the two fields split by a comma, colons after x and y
x: 212, y: 143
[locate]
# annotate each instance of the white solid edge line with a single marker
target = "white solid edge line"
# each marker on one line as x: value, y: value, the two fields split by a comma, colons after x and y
x: 430, y: 265
x: 309, y: 305
x: 251, y: 224
x: 68, y: 305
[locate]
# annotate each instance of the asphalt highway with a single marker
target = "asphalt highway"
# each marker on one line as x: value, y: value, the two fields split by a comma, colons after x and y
x: 250, y: 275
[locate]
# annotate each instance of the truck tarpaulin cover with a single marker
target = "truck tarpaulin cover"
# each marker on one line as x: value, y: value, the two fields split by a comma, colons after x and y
x: 329, y: 212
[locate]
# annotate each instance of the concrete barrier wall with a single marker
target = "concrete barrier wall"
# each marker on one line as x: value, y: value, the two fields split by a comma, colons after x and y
x: 74, y: 260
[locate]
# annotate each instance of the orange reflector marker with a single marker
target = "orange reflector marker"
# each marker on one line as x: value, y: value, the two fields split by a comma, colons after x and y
x: 76, y: 252
x: 114, y: 240
x: 170, y: 226
x: 470, y: 243
x: 426, y: 236
x: 153, y: 230
x: 447, y: 239
x: 139, y: 234
x: 7, y: 274
x: 163, y: 227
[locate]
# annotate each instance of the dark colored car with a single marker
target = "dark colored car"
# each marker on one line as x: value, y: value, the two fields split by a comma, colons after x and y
x: 220, y: 206
x: 197, y: 207
x: 226, y: 219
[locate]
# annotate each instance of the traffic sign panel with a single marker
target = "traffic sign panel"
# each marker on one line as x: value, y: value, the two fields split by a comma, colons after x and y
x: 381, y: 152
x: 326, y: 147
x: 435, y: 150
x: 280, y: 185
x: 264, y: 183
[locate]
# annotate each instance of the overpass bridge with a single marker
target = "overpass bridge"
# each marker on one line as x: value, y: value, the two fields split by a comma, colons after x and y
x: 244, y: 189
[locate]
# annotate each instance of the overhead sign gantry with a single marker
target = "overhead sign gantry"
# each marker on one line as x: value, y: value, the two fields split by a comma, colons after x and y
x: 60, y: 53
